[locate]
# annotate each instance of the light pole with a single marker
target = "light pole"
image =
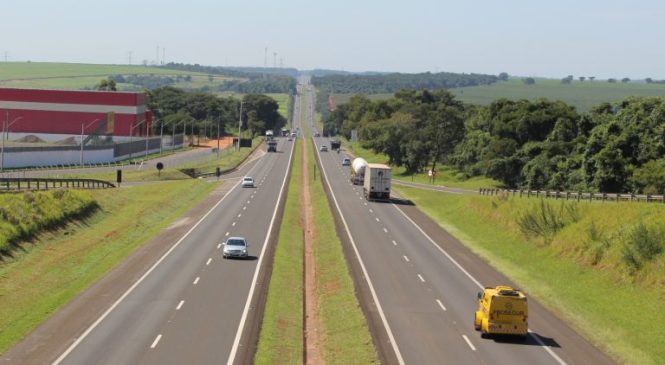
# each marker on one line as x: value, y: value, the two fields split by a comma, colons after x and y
x: 83, y: 126
x: 5, y: 130
x: 218, y: 121
x: 240, y: 123
x: 131, y: 137
x: 175, y: 125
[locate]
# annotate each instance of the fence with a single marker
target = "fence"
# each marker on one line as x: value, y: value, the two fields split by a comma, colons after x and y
x: 574, y: 195
x: 36, y: 183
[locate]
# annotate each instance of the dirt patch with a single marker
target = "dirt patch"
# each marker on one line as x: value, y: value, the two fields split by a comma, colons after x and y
x: 312, y: 335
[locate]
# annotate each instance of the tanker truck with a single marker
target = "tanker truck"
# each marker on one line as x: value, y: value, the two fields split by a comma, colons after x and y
x: 358, y: 171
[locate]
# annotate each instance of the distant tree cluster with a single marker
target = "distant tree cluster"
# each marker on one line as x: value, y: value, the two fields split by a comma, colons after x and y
x: 529, y: 144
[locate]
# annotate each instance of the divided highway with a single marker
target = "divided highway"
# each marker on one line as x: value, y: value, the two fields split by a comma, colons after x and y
x: 422, y: 298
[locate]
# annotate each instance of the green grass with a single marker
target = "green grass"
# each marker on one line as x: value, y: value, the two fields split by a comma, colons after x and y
x: 283, y: 101
x: 281, y: 337
x: 619, y: 311
x: 59, y: 264
x: 446, y: 175
x: 345, y: 334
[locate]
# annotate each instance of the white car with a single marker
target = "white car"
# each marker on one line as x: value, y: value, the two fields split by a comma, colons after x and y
x: 323, y: 148
x: 247, y: 182
x: 235, y: 247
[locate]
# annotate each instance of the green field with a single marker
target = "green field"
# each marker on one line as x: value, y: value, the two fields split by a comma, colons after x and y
x: 46, y: 75
x: 578, y: 273
x: 582, y: 95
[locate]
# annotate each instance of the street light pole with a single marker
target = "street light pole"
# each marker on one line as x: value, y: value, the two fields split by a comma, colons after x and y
x: 131, y: 137
x: 82, y: 127
x: 218, y: 121
x: 240, y: 123
x: 5, y: 130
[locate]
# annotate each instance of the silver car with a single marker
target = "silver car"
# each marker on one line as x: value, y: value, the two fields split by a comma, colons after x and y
x: 247, y: 182
x: 235, y: 247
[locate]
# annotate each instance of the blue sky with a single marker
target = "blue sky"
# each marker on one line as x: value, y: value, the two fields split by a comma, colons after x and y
x: 608, y: 38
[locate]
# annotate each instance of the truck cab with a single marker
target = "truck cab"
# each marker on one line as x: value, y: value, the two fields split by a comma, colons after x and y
x: 502, y: 310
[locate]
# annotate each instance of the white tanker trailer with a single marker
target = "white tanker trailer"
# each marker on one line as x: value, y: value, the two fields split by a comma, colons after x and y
x: 358, y: 171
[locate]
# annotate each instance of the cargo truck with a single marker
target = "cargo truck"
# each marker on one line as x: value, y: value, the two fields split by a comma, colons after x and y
x: 376, y: 184
x: 272, y: 146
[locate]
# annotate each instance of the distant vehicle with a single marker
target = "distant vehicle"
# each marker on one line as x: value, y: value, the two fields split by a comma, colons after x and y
x: 335, y: 144
x: 289, y: 139
x: 285, y: 132
x: 272, y: 146
x: 317, y: 134
x: 346, y: 162
x: 293, y: 134
x: 502, y: 311
x: 376, y: 184
x: 358, y: 171
x: 323, y: 148
x: 235, y: 247
x: 247, y: 182
x: 269, y: 133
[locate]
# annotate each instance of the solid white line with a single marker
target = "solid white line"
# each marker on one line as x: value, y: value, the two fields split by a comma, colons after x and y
x: 138, y: 282
x: 156, y: 341
x: 394, y: 243
x: 385, y: 229
x: 441, y: 305
x: 469, y: 343
x: 421, y: 278
x: 406, y: 258
x: 208, y: 262
x: 196, y: 281
x: 389, y: 331
x: 540, y: 342
x: 180, y: 305
x: 243, y: 318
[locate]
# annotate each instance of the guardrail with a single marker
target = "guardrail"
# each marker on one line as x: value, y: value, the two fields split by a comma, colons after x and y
x: 567, y: 195
x: 37, y: 183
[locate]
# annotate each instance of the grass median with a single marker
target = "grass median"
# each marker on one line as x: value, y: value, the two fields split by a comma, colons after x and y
x: 618, y: 310
x: 281, y: 337
x: 58, y: 264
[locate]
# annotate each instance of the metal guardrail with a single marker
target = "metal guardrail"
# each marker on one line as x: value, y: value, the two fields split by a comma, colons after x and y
x: 567, y: 195
x: 37, y: 183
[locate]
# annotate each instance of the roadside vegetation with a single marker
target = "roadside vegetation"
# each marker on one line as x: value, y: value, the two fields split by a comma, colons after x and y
x: 600, y: 266
x: 281, y: 337
x: 55, y: 265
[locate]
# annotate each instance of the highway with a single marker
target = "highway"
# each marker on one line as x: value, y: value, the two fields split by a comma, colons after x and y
x: 189, y: 306
x: 418, y: 286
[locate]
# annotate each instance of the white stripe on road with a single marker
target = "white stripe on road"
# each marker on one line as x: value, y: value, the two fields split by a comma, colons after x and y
x: 441, y: 305
x: 469, y: 343
x: 227, y: 233
x: 378, y: 220
x: 406, y: 258
x: 219, y: 245
x: 385, y: 229
x: 180, y: 305
x: 421, y: 278
x: 196, y: 281
x: 394, y: 243
x: 233, y: 224
x: 208, y: 262
x: 156, y: 341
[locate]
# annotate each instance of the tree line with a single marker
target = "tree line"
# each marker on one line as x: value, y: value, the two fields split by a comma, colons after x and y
x: 204, y: 112
x: 542, y: 144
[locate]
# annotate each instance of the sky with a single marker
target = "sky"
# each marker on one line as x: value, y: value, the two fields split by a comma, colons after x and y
x: 544, y: 38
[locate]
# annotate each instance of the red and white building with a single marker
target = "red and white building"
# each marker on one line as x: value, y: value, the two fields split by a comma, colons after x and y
x: 65, y: 112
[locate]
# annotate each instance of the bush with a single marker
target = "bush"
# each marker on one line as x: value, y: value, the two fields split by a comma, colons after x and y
x: 643, y: 245
x: 545, y: 221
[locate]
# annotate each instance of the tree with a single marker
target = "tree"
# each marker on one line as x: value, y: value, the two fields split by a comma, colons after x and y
x: 625, y: 80
x: 582, y: 78
x: 611, y: 80
x: 648, y: 80
x: 503, y: 76
x: 567, y: 80
x: 529, y: 80
x: 107, y: 85
x: 591, y: 78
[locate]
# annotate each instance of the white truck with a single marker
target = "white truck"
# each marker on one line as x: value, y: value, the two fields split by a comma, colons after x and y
x: 269, y: 135
x: 358, y: 171
x: 376, y: 184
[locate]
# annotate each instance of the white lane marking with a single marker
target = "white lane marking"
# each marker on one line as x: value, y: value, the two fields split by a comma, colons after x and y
x: 239, y: 215
x: 244, y: 208
x: 360, y: 197
x: 219, y: 245
x: 208, y: 262
x: 394, y: 243
x: 535, y: 336
x: 406, y: 258
x: 469, y: 343
x: 441, y: 305
x: 248, y: 202
x: 365, y: 203
x: 371, y: 210
x: 196, y: 281
x: 180, y: 305
x: 378, y: 220
x: 389, y: 331
x: 243, y: 318
x: 156, y: 341
x: 421, y: 278
x: 140, y: 280
x: 385, y: 229
x: 233, y: 224
x: 227, y: 233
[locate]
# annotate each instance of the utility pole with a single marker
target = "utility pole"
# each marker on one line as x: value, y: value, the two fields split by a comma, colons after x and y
x: 163, y: 55
x: 240, y: 123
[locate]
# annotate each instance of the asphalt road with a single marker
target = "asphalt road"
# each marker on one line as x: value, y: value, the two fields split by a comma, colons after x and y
x: 418, y: 286
x: 189, y: 305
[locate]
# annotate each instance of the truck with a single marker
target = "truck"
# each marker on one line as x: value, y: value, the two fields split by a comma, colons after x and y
x: 335, y: 144
x: 376, y: 184
x: 269, y: 135
x: 358, y: 171
x: 272, y: 146
x: 502, y: 310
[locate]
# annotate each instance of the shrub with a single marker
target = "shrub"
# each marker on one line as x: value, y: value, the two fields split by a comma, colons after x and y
x: 545, y: 221
x: 643, y: 245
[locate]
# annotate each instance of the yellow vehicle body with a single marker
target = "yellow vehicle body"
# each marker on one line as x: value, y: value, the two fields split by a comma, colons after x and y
x: 502, y: 310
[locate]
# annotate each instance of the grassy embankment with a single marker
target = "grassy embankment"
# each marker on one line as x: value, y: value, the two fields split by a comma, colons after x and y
x: 51, y: 269
x: 578, y: 270
x: 582, y: 95
x: 446, y: 175
x: 48, y: 75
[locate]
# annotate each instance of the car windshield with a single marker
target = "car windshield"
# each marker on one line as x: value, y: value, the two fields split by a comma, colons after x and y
x: 235, y: 243
x: 248, y: 179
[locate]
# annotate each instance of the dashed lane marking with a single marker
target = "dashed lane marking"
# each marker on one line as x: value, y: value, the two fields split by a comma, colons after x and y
x: 406, y: 258
x: 180, y: 305
x: 156, y: 341
x: 208, y: 262
x: 441, y: 305
x: 421, y: 278
x: 196, y: 281
x: 469, y: 343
